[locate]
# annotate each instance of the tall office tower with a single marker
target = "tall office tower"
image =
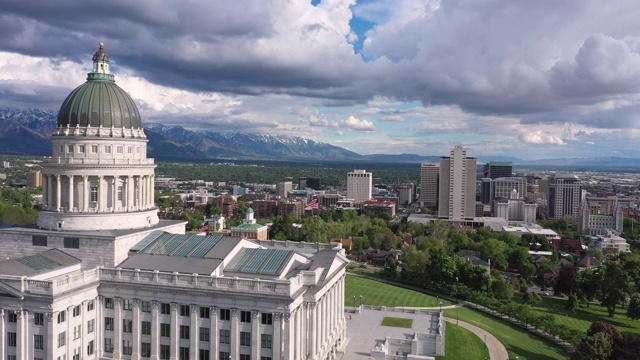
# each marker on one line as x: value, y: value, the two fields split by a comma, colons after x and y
x: 283, y: 188
x: 457, y: 193
x: 498, y: 169
x: 485, y: 191
x: 359, y: 185
x: 503, y: 187
x: 565, y: 193
x: 429, y: 175
x: 405, y: 194
x: 34, y: 179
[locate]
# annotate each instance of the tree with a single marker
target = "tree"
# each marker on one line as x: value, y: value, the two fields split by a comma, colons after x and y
x: 596, y: 347
x: 494, y: 250
x: 614, y: 286
x: 502, y: 289
x: 572, y: 302
x: 531, y: 298
x: 633, y: 311
x: 566, y: 280
x: 587, y: 285
x: 626, y: 348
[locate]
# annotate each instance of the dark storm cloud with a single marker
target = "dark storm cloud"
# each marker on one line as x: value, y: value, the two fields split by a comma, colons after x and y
x: 20, y: 94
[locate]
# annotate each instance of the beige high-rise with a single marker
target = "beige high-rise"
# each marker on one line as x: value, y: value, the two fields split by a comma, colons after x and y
x: 457, y: 193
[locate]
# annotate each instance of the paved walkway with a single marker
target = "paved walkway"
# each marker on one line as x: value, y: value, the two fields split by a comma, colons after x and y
x: 497, y: 351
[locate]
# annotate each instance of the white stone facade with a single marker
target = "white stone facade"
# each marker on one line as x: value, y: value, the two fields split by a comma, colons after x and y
x: 359, y: 186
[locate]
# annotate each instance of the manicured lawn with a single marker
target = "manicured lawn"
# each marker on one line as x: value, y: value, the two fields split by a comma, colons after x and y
x: 518, y: 342
x: 381, y: 294
x: 463, y: 344
x: 582, y: 318
x: 397, y: 322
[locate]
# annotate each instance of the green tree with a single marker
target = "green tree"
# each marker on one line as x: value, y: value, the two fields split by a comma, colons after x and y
x: 614, y: 286
x: 633, y: 310
x: 502, y: 289
x: 572, y: 302
x: 595, y: 347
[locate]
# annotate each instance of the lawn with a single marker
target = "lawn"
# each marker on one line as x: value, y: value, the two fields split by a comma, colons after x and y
x: 397, y: 322
x: 380, y: 294
x: 463, y: 344
x: 518, y: 342
x: 583, y: 317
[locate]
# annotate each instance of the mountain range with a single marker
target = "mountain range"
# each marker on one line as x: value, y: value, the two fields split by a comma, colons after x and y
x: 28, y: 132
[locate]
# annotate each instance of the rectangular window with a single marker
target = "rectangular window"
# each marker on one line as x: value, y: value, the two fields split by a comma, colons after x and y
x: 11, y: 339
x: 61, y: 316
x: 145, y: 306
x: 119, y: 193
x: 62, y: 339
x: 127, y: 325
x: 130, y: 150
x: 107, y: 149
x: 81, y: 149
x: 204, y: 312
x: 108, y: 345
x: 184, y: 310
x: 38, y: 319
x: 145, y: 349
x: 94, y: 149
x: 204, y: 354
x: 39, y: 240
x: 90, y: 348
x: 184, y: 332
x: 165, y: 309
x: 224, y: 336
x: 265, y: 358
x: 165, y: 330
x: 265, y: 341
x: 225, y: 314
x: 108, y: 323
x: 145, y: 327
x: 72, y: 243
x: 77, y: 331
x: 90, y: 305
x: 120, y: 149
x: 108, y: 303
x: 127, y: 304
x: 13, y: 317
x: 267, y: 319
x: 245, y: 316
x: 76, y: 310
x: 93, y: 195
x: 126, y: 347
x: 183, y: 353
x: 90, y: 325
x: 76, y: 354
x: 224, y: 355
x: 245, y: 338
x: 13, y: 357
x: 70, y: 149
x: 165, y: 352
x: 204, y: 334
x: 245, y: 357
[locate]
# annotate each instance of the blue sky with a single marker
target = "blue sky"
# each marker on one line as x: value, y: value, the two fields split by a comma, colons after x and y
x: 525, y: 79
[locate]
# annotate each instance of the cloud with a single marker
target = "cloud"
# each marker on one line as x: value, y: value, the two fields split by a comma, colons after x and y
x: 393, y: 118
x: 538, y: 137
x: 354, y: 123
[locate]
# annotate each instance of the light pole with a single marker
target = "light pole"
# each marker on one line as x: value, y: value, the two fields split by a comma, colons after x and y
x: 361, y: 300
x: 354, y: 301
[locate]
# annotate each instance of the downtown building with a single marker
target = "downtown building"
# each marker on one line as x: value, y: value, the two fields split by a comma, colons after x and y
x: 102, y: 277
x: 457, y: 186
x: 359, y: 186
x: 429, y: 175
x: 564, y: 196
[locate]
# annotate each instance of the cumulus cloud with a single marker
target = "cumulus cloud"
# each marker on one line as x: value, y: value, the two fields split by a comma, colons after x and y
x: 392, y: 118
x: 538, y: 137
x: 354, y: 123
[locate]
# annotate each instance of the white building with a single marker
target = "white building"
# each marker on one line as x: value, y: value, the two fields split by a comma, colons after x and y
x: 609, y: 241
x: 457, y: 186
x: 283, y: 188
x: 535, y: 230
x: 103, y: 278
x: 515, y: 209
x: 359, y: 185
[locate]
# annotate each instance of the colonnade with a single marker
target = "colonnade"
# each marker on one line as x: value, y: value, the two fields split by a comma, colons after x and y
x: 84, y: 193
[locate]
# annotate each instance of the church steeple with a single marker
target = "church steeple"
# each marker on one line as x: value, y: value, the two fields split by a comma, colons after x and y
x: 100, y: 66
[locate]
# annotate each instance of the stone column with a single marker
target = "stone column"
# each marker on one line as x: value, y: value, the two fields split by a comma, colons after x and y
x: 288, y: 338
x: 174, y: 331
x: 58, y: 195
x: 155, y: 331
x: 152, y: 182
x: 49, y: 191
x: 143, y: 192
x: 70, y: 197
x: 194, y: 342
x: 214, y: 333
x: 117, y: 328
x: 135, y: 329
x: 114, y: 193
x: 3, y: 337
x: 277, y: 334
x: 44, y: 191
x: 129, y: 192
x: 22, y: 338
x: 255, y: 335
x: 235, y: 335
x: 102, y: 196
x: 297, y: 332
x: 98, y: 326
x: 85, y: 193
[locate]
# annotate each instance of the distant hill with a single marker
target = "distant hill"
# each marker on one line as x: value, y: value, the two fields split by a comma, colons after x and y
x: 402, y: 158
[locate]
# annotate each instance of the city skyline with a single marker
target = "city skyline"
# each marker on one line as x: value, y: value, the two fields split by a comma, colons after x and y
x: 527, y: 80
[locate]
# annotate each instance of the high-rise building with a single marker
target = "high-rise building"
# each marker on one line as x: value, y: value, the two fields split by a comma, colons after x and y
x: 283, y: 188
x: 429, y: 174
x: 498, y: 169
x: 359, y: 186
x: 34, y: 179
x: 102, y: 277
x: 405, y: 194
x: 457, y: 188
x: 565, y: 194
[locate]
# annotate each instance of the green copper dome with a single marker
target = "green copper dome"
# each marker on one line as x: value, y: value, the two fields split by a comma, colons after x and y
x: 99, y: 101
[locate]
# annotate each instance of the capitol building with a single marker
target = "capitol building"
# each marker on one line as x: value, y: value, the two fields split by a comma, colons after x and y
x: 101, y: 277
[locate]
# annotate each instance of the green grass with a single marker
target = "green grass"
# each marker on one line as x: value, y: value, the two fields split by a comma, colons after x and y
x: 518, y: 342
x: 397, y: 322
x: 582, y: 318
x: 463, y: 344
x: 380, y: 294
